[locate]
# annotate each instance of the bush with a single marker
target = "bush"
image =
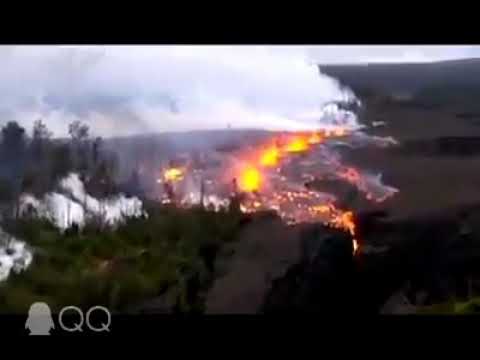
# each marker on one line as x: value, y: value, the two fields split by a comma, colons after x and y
x: 121, y: 267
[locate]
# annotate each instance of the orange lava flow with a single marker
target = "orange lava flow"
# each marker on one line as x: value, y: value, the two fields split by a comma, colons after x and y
x: 315, y: 138
x: 250, y: 179
x: 322, y: 209
x: 346, y: 222
x: 270, y: 157
x: 293, y: 206
x: 341, y: 220
x: 297, y: 144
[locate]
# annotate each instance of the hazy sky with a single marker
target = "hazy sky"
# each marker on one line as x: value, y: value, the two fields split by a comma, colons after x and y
x: 122, y: 90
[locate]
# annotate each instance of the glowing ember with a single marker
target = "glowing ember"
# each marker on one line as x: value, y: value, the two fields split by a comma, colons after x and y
x: 339, y: 132
x: 250, y: 180
x: 315, y: 138
x: 322, y: 209
x: 345, y: 221
x: 355, y: 246
x: 297, y: 144
x: 173, y: 174
x: 269, y: 157
x: 338, y: 218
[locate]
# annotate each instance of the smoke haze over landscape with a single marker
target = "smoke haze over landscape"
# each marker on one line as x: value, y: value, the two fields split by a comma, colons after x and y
x: 124, y: 90
x: 239, y: 179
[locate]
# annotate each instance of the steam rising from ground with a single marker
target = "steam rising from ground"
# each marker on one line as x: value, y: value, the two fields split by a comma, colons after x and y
x: 64, y: 208
x: 14, y: 255
x: 121, y: 90
x: 74, y: 205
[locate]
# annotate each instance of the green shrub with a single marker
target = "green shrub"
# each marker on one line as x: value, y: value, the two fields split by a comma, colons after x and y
x: 120, y: 267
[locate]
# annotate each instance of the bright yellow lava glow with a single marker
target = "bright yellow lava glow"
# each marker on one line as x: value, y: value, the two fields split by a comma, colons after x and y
x: 250, y: 180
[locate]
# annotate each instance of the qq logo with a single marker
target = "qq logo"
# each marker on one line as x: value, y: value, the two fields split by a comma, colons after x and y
x: 70, y: 319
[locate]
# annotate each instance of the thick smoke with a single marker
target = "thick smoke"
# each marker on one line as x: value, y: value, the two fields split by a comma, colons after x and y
x: 121, y: 90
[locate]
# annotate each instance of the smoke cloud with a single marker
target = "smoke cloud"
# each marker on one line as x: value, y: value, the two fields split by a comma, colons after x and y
x: 123, y: 90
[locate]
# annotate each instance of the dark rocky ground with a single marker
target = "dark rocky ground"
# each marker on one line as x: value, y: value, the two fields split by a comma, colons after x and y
x: 310, y: 268
x: 425, y: 247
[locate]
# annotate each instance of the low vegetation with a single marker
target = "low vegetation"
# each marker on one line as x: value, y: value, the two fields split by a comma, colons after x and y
x: 470, y: 306
x: 170, y: 253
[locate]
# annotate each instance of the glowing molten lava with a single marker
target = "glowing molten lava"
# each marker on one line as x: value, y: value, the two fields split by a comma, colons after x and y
x: 250, y: 179
x: 315, y: 138
x: 173, y: 174
x: 323, y: 209
x: 339, y: 219
x: 265, y: 184
x: 344, y: 220
x: 269, y: 157
x: 297, y: 144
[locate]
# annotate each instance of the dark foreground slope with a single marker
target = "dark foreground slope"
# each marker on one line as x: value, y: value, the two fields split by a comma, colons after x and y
x: 425, y: 249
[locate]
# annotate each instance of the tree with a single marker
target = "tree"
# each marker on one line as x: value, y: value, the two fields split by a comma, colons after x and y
x: 109, y: 172
x: 40, y: 139
x: 40, y: 131
x: 7, y: 198
x: 133, y: 184
x: 78, y: 132
x: 13, y: 156
x: 13, y: 150
x: 13, y: 136
x: 61, y: 159
x: 6, y: 191
x: 97, y: 144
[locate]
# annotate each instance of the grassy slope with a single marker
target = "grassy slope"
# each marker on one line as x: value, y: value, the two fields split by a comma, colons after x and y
x: 117, y: 268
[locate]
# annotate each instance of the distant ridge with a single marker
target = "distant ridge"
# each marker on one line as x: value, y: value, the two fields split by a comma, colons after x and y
x: 424, y: 63
x: 409, y: 78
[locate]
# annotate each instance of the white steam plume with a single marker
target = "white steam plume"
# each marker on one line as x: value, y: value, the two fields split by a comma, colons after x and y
x: 122, y: 90
x: 74, y: 205
x: 14, y: 255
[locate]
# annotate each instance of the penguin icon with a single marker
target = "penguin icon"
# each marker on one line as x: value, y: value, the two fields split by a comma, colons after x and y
x: 39, y: 321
